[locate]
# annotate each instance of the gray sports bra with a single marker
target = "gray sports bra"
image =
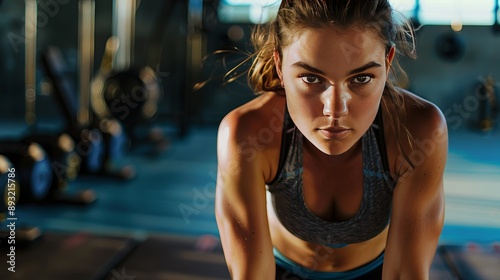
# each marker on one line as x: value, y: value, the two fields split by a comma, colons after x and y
x: 291, y: 210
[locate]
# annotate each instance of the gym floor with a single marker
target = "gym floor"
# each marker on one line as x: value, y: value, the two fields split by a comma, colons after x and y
x: 161, y: 224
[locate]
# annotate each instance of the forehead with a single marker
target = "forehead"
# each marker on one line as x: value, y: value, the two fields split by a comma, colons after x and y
x: 327, y: 46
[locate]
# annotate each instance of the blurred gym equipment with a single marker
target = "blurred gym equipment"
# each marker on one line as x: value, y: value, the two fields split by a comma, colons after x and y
x: 60, y: 147
x: 100, y: 143
x: 33, y: 169
x: 45, y: 161
x: 115, y: 138
x: 65, y: 166
x: 450, y: 46
x: 29, y: 159
x: 126, y: 90
x: 488, y: 104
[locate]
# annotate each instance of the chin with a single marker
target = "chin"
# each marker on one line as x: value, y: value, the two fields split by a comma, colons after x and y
x: 332, y: 143
x: 334, y: 150
x: 335, y: 147
x: 331, y: 147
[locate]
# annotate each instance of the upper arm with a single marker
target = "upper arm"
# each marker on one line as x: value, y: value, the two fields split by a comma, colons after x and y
x: 418, y: 201
x: 241, y: 203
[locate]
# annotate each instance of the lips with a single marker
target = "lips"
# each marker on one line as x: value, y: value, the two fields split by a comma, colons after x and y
x: 334, y: 132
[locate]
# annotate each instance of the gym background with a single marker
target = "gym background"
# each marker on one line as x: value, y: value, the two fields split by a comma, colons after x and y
x: 109, y: 142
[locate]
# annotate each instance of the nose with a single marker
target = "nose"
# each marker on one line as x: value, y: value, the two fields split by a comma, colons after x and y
x: 335, y: 102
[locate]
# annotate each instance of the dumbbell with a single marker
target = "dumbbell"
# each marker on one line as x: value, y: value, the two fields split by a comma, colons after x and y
x: 96, y: 142
x: 65, y: 162
x: 32, y: 168
x: 116, y: 143
x: 89, y: 145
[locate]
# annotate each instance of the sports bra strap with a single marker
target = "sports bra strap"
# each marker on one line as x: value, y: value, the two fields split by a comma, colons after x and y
x: 286, y: 140
x: 379, y: 134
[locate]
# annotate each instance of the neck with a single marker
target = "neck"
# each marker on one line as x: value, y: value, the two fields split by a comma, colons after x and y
x: 341, y: 159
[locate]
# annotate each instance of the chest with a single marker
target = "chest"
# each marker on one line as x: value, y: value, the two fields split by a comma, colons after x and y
x: 333, y: 192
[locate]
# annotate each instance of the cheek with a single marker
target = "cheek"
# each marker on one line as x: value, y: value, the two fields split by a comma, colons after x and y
x: 363, y: 111
x: 303, y: 101
x: 302, y: 109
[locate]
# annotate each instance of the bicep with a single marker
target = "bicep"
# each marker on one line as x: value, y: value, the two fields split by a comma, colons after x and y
x: 241, y: 211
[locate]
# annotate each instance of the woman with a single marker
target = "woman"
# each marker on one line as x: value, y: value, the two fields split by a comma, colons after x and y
x: 332, y: 172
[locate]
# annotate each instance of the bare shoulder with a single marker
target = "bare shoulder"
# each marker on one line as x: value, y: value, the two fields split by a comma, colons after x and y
x: 426, y: 146
x: 252, y: 116
x: 426, y: 138
x: 425, y: 121
x: 251, y: 133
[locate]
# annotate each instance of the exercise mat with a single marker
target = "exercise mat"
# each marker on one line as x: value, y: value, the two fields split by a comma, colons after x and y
x: 75, y: 256
x: 172, y: 257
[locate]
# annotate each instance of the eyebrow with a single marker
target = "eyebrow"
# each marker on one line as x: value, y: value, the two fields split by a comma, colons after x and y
x: 371, y: 64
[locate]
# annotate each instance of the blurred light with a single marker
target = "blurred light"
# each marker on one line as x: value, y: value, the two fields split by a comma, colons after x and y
x: 432, y: 12
x: 248, y: 11
x: 406, y: 7
x: 456, y: 25
x: 446, y: 12
x: 261, y: 3
x: 258, y: 14
x: 235, y: 33
x: 4, y: 165
x: 66, y: 143
x: 35, y: 151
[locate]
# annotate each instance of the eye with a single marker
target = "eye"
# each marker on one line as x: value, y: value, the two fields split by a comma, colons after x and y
x: 310, y: 79
x: 362, y: 79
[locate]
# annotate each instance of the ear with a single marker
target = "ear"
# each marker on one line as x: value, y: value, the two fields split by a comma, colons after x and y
x: 277, y: 65
x: 389, y: 57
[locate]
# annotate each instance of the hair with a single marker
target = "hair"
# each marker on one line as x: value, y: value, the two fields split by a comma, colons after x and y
x: 296, y: 15
x: 377, y: 15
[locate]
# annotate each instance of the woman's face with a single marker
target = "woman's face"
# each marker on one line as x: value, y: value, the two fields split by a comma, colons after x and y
x: 334, y: 79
